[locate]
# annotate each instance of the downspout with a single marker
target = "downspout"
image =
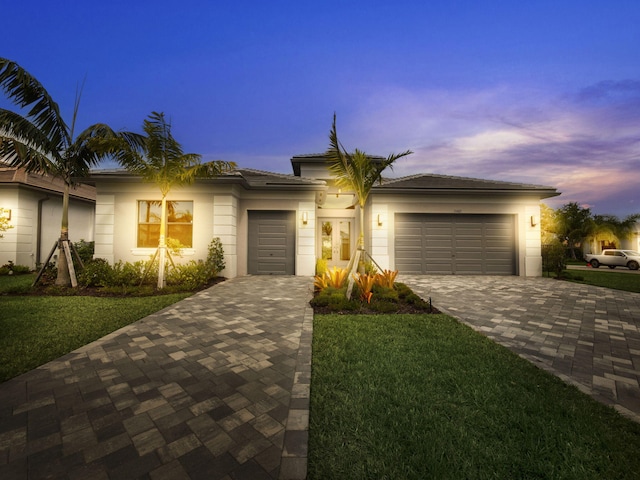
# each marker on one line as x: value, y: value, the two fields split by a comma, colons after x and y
x: 39, y: 227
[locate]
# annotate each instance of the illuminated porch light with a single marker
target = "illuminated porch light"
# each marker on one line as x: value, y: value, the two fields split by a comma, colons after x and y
x: 379, y: 219
x: 305, y: 218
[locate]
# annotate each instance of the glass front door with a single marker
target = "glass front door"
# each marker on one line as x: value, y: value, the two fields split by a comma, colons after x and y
x: 336, y: 241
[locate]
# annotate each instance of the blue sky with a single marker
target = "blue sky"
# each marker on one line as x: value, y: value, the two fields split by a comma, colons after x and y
x: 544, y: 92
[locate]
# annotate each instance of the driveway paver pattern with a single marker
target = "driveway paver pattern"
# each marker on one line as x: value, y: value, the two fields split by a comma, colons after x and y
x: 588, y: 336
x: 215, y: 387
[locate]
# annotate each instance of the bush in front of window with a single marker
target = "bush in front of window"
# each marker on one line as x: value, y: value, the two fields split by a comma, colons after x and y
x: 126, y: 276
x: 190, y: 276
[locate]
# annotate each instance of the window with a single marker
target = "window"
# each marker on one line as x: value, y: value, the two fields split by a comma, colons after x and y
x: 179, y: 222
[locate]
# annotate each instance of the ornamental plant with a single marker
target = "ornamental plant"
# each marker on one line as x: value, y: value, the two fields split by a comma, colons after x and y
x: 387, y: 278
x: 365, y: 283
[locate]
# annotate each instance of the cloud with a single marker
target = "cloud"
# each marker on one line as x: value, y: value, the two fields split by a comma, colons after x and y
x: 586, y: 143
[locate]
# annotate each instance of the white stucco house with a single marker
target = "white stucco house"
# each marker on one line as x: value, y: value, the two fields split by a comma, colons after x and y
x: 33, y: 205
x: 271, y: 223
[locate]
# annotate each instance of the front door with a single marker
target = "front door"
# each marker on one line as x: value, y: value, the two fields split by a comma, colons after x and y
x: 336, y: 241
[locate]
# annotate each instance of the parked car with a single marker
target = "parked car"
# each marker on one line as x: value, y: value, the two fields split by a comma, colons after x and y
x: 615, y: 258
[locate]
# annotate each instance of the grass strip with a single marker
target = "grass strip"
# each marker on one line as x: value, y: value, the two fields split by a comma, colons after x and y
x: 422, y: 396
x: 628, y: 282
x: 38, y: 329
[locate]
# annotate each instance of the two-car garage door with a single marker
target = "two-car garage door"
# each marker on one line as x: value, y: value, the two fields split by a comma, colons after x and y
x: 455, y: 244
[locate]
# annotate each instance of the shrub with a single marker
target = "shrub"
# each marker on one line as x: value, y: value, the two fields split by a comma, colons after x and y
x: 49, y: 273
x: 384, y: 307
x: 191, y: 275
x: 553, y: 258
x: 21, y: 269
x: 370, y: 268
x: 133, y: 274
x: 384, y: 294
x: 96, y: 273
x: 321, y: 266
x: 85, y: 250
x: 215, y: 258
x: 11, y: 268
x: 402, y: 290
x: 334, y: 298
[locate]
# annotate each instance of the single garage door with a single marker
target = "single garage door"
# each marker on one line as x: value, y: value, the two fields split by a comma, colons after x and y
x: 455, y: 244
x: 272, y: 236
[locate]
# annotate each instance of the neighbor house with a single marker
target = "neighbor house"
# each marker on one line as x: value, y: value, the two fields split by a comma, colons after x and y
x: 33, y: 203
x: 271, y: 223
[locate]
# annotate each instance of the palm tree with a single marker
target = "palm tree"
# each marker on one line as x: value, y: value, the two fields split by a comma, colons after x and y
x: 41, y: 142
x: 610, y: 230
x: 163, y: 163
x: 359, y: 173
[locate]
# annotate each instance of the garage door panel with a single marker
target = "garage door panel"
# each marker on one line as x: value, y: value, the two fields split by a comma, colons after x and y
x: 437, y: 243
x: 456, y: 244
x: 413, y: 241
x: 272, y: 253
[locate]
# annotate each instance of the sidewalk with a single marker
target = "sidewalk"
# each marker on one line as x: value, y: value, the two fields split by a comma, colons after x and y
x: 214, y: 387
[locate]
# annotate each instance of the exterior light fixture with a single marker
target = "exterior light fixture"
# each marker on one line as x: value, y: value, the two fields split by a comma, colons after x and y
x: 305, y: 218
x: 379, y: 219
x: 534, y: 220
x: 338, y: 193
x: 6, y: 213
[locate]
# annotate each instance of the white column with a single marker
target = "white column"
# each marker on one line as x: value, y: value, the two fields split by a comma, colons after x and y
x: 225, y: 227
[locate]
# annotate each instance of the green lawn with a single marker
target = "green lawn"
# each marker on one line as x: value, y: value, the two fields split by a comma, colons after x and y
x: 604, y: 277
x: 37, y: 329
x: 422, y: 396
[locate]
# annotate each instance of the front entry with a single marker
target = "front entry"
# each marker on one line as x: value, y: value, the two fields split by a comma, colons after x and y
x: 336, y: 241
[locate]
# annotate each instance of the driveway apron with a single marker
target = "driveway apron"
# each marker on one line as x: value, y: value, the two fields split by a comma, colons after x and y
x: 588, y: 336
x: 215, y: 387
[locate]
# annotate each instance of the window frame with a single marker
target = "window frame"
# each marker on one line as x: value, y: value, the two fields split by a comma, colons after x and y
x: 152, y: 237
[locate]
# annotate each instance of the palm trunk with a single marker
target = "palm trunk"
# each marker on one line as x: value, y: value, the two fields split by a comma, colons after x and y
x: 63, y: 277
x: 354, y: 263
x: 162, y: 245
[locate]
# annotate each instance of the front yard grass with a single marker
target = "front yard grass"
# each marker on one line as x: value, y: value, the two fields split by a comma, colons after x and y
x: 37, y: 329
x: 602, y: 277
x: 423, y: 396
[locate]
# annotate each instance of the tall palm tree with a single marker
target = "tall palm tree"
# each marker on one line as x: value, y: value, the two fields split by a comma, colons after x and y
x: 41, y: 142
x: 356, y: 172
x: 163, y: 163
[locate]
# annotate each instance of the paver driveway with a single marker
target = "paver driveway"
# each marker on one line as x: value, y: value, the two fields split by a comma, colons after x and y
x: 588, y: 336
x: 214, y: 387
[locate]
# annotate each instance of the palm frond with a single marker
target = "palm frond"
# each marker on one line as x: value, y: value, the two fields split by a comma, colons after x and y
x: 356, y: 172
x: 23, y: 144
x: 24, y: 90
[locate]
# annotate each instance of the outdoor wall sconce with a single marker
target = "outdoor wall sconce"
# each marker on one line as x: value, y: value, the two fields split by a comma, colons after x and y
x: 305, y: 218
x: 534, y: 220
x: 6, y: 213
x: 338, y: 193
x: 379, y: 219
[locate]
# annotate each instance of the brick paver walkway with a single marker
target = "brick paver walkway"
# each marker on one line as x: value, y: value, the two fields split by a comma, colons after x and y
x: 213, y: 387
x: 588, y: 336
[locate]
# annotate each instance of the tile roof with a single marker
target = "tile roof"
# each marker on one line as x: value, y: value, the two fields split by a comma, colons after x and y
x: 446, y: 183
x: 251, y: 178
x: 260, y: 178
x: 47, y: 183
